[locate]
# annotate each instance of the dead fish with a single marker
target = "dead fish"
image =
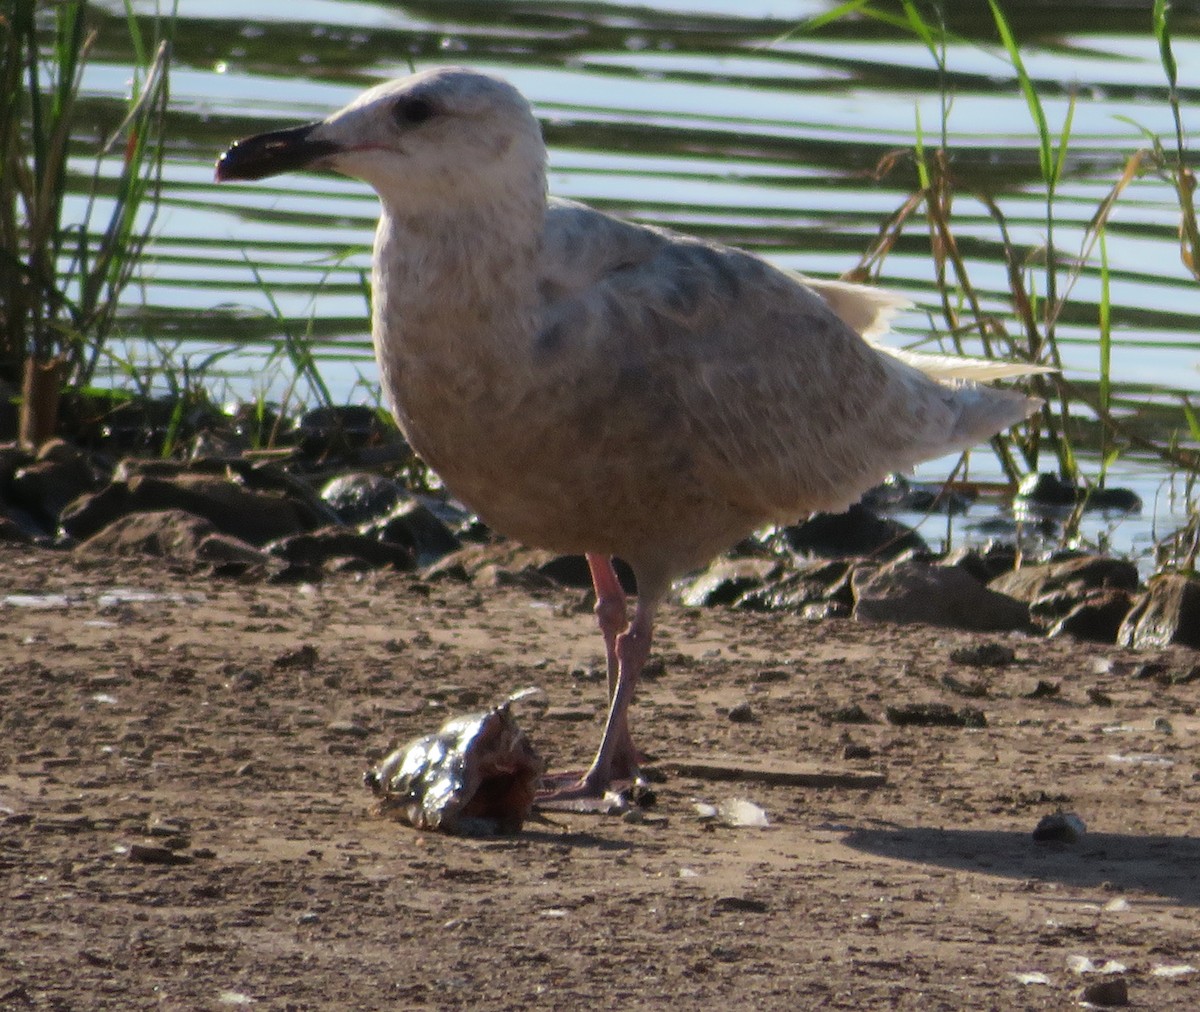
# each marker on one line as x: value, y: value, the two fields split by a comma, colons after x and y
x: 477, y: 776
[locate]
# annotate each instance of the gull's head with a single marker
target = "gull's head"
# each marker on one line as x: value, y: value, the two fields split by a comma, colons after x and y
x: 445, y: 136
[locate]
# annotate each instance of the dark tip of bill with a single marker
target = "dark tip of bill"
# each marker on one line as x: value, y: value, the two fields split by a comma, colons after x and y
x: 272, y: 153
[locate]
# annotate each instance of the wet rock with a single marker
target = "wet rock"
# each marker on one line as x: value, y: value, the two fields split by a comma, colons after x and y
x: 254, y: 517
x: 1049, y: 491
x: 934, y: 715
x: 334, y: 545
x: 935, y: 595
x: 1031, y: 583
x: 506, y: 563
x: 170, y: 534
x: 359, y: 498
x: 253, y: 475
x: 19, y: 528
x: 415, y: 526
x: 857, y: 532
x: 1169, y: 612
x: 899, y: 493
x: 1097, y: 618
x: 983, y: 564
x: 822, y: 581
x: 727, y: 580
x: 341, y: 429
x: 60, y: 474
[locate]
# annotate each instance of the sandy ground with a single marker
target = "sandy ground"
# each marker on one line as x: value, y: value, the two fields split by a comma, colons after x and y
x: 151, y: 716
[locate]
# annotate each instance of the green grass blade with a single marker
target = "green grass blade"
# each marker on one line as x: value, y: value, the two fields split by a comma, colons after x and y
x: 1027, y: 89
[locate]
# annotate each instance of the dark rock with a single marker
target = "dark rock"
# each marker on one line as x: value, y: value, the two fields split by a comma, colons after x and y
x: 144, y: 853
x: 770, y: 675
x: 898, y: 493
x: 360, y: 497
x: 935, y: 595
x: 983, y: 564
x: 171, y: 534
x: 740, y: 905
x: 570, y: 714
x: 1049, y: 491
x: 253, y: 475
x: 316, y: 549
x: 934, y: 715
x: 1097, y: 618
x: 855, y: 533
x: 984, y: 655
x: 742, y: 713
x: 1043, y: 690
x: 1169, y: 612
x: 1110, y: 992
x: 853, y: 751
x: 255, y: 517
x: 727, y: 580
x: 573, y: 571
x: 1029, y: 583
x: 506, y: 563
x: 303, y: 657
x: 1060, y: 827
x: 60, y: 474
x: 817, y: 582
x: 852, y: 714
x: 412, y: 524
x: 341, y: 429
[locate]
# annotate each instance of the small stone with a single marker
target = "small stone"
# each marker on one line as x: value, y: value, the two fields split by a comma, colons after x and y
x: 151, y: 854
x: 302, y: 657
x: 742, y: 714
x: 984, y: 655
x: 934, y: 715
x: 779, y: 675
x: 739, y: 904
x: 1061, y: 827
x: 570, y: 714
x: 1108, y: 993
x: 348, y: 728
x: 853, y: 751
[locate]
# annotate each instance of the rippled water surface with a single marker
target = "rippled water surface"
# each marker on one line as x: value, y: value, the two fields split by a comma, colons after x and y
x: 724, y: 118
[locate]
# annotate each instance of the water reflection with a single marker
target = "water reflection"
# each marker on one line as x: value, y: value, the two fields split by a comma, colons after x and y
x: 717, y: 117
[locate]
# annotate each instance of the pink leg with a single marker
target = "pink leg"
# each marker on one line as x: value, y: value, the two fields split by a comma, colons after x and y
x: 610, y: 611
x: 616, y: 757
x: 627, y: 650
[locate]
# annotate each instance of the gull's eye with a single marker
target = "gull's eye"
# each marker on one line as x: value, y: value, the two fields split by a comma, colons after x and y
x: 412, y: 111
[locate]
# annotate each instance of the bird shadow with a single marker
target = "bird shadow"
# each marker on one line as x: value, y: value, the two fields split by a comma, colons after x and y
x: 1167, y: 866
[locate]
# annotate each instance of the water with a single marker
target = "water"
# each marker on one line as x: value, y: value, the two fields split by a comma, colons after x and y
x: 715, y: 117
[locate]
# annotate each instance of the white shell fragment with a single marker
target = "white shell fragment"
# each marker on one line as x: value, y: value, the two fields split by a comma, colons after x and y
x: 477, y: 776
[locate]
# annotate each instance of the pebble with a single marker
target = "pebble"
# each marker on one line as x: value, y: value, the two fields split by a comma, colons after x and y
x: 1061, y: 827
x: 1108, y: 993
x: 742, y: 714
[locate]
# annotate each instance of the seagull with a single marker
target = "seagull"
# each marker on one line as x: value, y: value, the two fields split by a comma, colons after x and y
x: 600, y: 387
